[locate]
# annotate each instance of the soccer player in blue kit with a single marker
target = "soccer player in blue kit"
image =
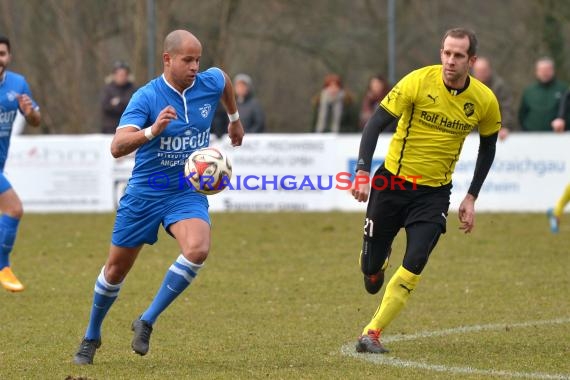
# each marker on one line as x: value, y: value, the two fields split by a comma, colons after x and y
x: 166, y: 120
x: 14, y: 95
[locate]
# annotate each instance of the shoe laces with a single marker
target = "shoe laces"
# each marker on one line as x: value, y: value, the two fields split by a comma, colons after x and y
x: 374, y: 335
x: 146, y: 329
x: 87, y: 348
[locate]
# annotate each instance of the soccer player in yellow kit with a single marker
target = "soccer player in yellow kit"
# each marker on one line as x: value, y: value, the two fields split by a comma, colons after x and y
x: 559, y: 125
x: 437, y: 107
x: 554, y: 214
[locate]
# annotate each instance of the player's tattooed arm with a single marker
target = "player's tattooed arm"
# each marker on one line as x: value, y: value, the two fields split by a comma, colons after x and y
x: 129, y: 139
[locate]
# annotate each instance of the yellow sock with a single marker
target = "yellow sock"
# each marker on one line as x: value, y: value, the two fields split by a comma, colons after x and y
x: 562, y: 202
x: 397, y: 293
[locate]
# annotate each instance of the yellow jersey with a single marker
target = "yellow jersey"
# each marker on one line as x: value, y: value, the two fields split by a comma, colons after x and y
x: 434, y: 122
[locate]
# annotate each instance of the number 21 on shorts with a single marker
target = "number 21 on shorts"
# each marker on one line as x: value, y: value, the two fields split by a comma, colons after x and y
x: 368, y: 227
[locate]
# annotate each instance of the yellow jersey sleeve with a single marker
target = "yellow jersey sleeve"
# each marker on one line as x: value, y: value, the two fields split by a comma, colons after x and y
x: 490, y: 123
x: 400, y: 97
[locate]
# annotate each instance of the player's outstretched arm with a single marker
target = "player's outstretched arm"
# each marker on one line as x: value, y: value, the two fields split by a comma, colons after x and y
x: 235, y: 128
x: 129, y: 139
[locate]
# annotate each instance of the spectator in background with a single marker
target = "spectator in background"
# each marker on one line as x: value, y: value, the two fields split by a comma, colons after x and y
x: 378, y: 88
x: 541, y: 100
x: 334, y: 108
x: 116, y: 96
x: 250, y: 110
x: 483, y: 71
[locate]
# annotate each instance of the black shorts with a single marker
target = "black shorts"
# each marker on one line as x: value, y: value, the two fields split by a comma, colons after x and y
x: 391, y: 208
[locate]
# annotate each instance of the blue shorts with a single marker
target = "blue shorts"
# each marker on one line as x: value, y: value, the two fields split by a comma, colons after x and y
x: 4, y: 184
x: 138, y: 219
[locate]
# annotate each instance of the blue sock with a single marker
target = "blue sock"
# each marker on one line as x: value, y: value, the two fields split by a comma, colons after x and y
x: 8, y: 230
x: 105, y: 295
x: 179, y: 276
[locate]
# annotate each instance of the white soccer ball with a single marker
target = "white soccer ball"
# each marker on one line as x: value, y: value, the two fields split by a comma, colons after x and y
x: 208, y: 170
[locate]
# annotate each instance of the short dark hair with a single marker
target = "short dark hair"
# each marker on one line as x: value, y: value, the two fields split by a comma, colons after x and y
x: 6, y: 41
x: 462, y: 33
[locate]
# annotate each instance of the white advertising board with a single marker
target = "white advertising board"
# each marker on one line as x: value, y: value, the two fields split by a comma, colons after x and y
x: 61, y: 173
x: 281, y: 172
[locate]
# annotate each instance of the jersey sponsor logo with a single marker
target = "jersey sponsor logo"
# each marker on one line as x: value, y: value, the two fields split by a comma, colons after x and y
x: 438, y: 121
x: 433, y: 98
x: 192, y: 139
x: 469, y: 109
x: 205, y: 110
x: 174, y: 150
x: 7, y: 117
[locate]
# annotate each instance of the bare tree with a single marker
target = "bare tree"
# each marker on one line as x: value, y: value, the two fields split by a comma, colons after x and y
x: 66, y: 47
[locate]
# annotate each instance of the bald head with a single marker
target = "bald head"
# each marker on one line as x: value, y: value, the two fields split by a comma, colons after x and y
x: 544, y: 69
x: 482, y: 69
x: 178, y: 40
x: 181, y: 58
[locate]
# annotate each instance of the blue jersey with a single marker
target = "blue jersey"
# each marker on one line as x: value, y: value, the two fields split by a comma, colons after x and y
x: 11, y: 86
x: 159, y: 163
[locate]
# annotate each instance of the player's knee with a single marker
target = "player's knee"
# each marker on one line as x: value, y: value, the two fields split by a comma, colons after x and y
x: 115, y: 273
x: 373, y: 256
x: 17, y: 213
x: 15, y: 210
x: 197, y: 254
x: 415, y: 262
x: 422, y: 239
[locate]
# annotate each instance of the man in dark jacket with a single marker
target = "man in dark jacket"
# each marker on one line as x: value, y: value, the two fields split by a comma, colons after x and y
x: 250, y: 110
x: 541, y: 100
x: 483, y: 71
x: 116, y: 96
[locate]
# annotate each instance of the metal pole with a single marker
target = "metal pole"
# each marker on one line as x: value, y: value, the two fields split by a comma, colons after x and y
x: 150, y: 34
x: 392, y: 41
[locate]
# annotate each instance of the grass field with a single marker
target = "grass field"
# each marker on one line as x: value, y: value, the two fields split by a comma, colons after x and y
x: 281, y: 296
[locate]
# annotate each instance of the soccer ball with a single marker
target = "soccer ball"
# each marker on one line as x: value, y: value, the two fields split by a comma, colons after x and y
x: 208, y: 170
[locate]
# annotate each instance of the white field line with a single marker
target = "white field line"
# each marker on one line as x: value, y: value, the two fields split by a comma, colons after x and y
x: 348, y: 349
